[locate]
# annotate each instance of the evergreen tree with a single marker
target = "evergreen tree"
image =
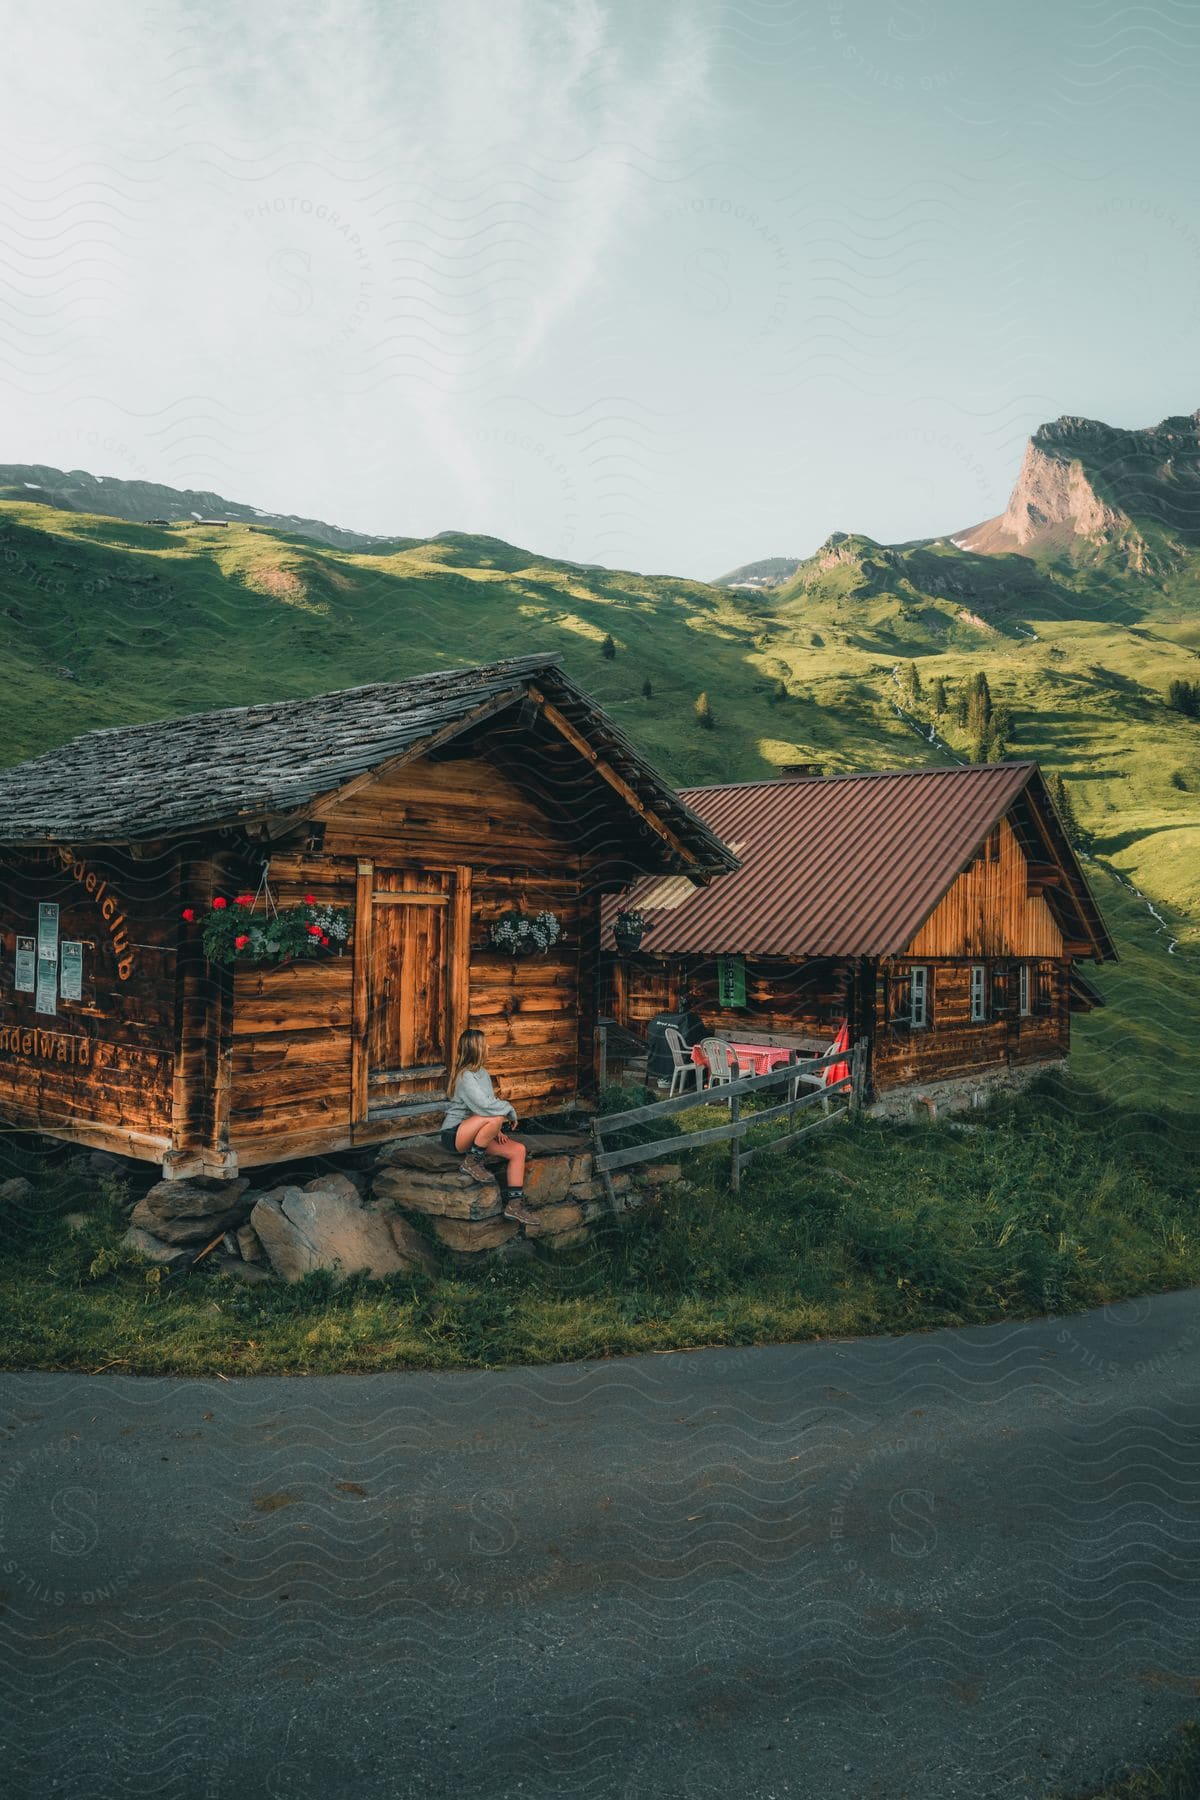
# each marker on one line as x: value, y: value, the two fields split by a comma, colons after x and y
x: 937, y: 695
x: 977, y: 749
x: 647, y: 689
x: 961, y: 707
x: 1064, y: 806
x: 608, y: 649
x: 704, y: 713
x: 1184, y: 697
x: 998, y: 733
x: 979, y: 703
x: 912, y: 682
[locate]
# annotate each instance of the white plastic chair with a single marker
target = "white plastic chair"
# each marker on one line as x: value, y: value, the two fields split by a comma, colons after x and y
x: 814, y: 1077
x: 721, y: 1065
x: 683, y: 1068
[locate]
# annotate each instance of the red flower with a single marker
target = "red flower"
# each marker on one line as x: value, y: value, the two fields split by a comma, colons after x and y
x: 219, y: 903
x: 239, y: 943
x: 310, y: 899
x: 314, y: 931
x: 325, y: 941
x: 189, y: 913
x: 244, y: 900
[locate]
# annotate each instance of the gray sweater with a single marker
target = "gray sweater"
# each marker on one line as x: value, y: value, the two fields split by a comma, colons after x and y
x: 474, y: 1095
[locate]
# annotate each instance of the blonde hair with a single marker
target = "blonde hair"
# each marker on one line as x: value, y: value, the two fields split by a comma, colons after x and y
x: 469, y: 1054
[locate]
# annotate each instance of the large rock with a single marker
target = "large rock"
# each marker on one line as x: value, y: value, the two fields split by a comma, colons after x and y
x: 203, y: 1197
x: 302, y: 1230
x: 421, y: 1153
x: 335, y: 1183
x: 449, y: 1195
x: 463, y: 1236
x: 193, y: 1212
x: 564, y: 1216
x: 408, y: 1240
x: 249, y: 1248
x: 154, y: 1249
x: 548, y: 1178
x: 16, y: 1191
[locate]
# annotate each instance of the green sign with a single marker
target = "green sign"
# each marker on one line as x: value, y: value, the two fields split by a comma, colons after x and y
x: 731, y: 980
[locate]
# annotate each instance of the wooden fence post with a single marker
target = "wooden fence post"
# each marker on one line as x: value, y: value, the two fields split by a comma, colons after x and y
x: 858, y: 1063
x: 602, y: 1057
x: 735, y: 1167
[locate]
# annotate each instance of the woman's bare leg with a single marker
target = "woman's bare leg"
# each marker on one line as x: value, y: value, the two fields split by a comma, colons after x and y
x: 476, y: 1133
x: 513, y: 1153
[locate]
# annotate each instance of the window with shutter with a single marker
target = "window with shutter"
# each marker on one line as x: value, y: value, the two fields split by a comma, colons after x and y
x: 978, y: 993
x: 1023, y: 987
x: 918, y: 977
x: 899, y: 1000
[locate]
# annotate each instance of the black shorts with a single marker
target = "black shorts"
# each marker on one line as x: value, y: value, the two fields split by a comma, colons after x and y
x: 449, y: 1133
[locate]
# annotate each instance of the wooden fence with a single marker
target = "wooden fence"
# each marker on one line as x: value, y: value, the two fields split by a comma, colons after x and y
x: 849, y: 1090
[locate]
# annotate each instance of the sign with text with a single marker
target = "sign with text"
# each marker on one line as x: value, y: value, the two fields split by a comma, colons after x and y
x: 48, y: 931
x: 25, y: 966
x: 47, y: 986
x: 731, y: 980
x: 70, y: 983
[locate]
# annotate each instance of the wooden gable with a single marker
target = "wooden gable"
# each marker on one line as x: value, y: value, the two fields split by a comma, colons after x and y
x: 989, y: 909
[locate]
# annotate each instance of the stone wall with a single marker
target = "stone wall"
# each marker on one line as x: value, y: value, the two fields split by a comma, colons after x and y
x: 379, y: 1220
x: 418, y: 1179
x: 936, y: 1099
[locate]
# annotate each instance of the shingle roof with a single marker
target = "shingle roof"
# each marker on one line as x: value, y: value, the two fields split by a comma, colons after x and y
x: 846, y: 865
x: 244, y: 762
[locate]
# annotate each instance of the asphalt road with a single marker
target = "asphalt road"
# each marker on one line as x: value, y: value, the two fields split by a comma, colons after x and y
x: 962, y: 1564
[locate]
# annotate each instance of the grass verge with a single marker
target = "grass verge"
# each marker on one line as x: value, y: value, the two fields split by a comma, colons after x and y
x: 1048, y: 1204
x: 1178, y: 1778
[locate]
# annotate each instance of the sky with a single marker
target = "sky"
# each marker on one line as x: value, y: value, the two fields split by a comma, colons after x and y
x: 667, y: 286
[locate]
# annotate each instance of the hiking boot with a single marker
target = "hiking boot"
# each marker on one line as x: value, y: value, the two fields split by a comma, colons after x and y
x: 475, y: 1169
x: 516, y: 1209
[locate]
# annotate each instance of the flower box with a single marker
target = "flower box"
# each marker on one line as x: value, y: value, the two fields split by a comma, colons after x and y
x: 250, y: 931
x: 524, y: 934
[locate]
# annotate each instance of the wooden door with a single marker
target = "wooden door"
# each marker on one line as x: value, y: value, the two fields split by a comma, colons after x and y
x: 408, y: 997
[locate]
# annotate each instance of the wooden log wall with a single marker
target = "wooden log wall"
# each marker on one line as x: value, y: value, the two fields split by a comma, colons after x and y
x: 952, y: 1045
x: 806, y: 999
x: 291, y: 1026
x: 989, y: 910
x: 294, y: 1029
x: 100, y: 1069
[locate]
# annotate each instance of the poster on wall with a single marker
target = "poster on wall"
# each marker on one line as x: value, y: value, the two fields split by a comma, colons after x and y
x: 25, y: 966
x: 47, y: 939
x: 70, y: 984
x: 47, y: 986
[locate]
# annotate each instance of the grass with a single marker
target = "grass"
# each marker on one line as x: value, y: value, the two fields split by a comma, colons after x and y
x: 1052, y: 1204
x: 1177, y: 1777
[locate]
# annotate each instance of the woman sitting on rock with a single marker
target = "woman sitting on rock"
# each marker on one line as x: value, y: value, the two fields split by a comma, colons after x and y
x: 475, y: 1123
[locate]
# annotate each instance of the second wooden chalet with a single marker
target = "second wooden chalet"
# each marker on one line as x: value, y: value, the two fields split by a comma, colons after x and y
x: 420, y: 835
x: 941, y: 913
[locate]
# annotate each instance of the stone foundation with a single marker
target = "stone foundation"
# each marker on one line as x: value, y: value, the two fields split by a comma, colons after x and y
x: 379, y: 1220
x: 939, y: 1099
x: 418, y: 1178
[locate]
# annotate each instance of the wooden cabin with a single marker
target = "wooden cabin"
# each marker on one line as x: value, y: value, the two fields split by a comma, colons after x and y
x: 427, y: 808
x: 941, y: 912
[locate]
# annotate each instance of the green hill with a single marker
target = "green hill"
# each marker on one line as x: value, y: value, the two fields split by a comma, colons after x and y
x: 74, y: 490
x: 104, y: 621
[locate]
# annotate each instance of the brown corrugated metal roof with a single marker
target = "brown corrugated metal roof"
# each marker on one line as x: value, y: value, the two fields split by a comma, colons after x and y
x: 844, y: 865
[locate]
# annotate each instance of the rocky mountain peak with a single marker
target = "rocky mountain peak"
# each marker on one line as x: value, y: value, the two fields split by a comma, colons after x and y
x: 1085, y: 485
